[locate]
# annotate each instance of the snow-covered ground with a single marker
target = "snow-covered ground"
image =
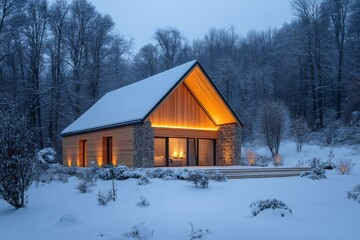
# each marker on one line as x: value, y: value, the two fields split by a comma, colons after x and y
x: 320, y: 207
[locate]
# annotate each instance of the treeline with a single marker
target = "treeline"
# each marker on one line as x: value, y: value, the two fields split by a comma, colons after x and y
x: 57, y: 59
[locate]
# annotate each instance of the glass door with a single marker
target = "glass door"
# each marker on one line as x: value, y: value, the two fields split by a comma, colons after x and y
x: 206, y: 152
x: 191, y: 152
x: 160, y: 152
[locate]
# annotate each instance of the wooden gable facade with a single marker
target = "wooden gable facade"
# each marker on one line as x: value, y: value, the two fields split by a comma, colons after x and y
x: 191, y: 125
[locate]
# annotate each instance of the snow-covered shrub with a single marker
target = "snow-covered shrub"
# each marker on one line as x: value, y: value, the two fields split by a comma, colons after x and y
x: 143, y: 202
x: 143, y: 180
x: 199, y: 178
x: 329, y: 163
x: 121, y: 172
x: 17, y: 160
x: 84, y: 187
x: 102, y: 199
x: 258, y: 206
x: 71, y: 171
x: 183, y: 174
x: 111, y: 195
x: 197, y: 233
x: 345, y: 166
x: 88, y: 175
x: 169, y: 174
x: 46, y: 155
x: 314, y: 163
x: 219, y: 177
x: 16, y: 176
x: 139, y: 232
x: 354, y: 194
x: 314, y: 174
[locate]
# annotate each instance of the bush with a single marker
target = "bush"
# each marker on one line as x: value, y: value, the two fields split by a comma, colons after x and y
x: 16, y: 176
x: 139, y: 232
x: 84, y: 187
x: 259, y: 206
x: 197, y: 234
x: 46, y: 155
x: 219, y: 177
x: 199, y: 178
x: 314, y: 174
x: 354, y: 194
x: 143, y: 180
x: 143, y: 202
x: 102, y: 199
x: 17, y: 160
x: 345, y: 166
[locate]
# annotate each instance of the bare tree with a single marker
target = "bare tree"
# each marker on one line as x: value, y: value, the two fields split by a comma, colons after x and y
x: 170, y: 42
x: 273, y: 120
x: 146, y: 61
x: 56, y: 50
x: 79, y: 31
x: 339, y: 11
x: 99, y: 48
x: 35, y: 33
x: 299, y: 130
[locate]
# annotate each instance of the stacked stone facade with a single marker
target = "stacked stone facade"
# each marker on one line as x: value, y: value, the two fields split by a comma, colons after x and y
x: 228, y: 145
x: 143, y: 145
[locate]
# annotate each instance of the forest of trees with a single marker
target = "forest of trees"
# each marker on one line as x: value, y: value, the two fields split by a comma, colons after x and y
x: 58, y: 58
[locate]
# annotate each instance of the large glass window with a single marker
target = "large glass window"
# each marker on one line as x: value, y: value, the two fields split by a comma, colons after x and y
x: 177, y: 152
x: 160, y: 152
x: 206, y: 152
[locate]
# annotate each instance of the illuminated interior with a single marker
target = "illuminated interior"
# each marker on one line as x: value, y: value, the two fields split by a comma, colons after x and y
x: 177, y: 152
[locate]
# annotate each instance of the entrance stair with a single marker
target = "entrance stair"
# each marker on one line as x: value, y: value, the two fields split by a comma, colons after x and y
x: 241, y: 173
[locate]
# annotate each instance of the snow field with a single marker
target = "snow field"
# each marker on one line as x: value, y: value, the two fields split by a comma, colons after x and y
x: 320, y: 208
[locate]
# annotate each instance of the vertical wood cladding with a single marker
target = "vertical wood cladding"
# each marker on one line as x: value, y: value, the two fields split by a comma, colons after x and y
x: 122, y: 147
x: 181, y: 109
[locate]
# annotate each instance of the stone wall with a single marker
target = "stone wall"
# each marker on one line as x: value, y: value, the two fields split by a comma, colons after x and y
x: 143, y: 145
x: 228, y: 145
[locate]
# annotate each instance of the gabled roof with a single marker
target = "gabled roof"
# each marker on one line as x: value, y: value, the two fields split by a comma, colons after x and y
x: 135, y: 102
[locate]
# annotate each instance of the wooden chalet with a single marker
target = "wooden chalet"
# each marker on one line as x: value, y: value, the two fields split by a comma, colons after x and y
x: 174, y: 118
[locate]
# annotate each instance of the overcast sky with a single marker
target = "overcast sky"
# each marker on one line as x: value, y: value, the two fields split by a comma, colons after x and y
x: 140, y: 18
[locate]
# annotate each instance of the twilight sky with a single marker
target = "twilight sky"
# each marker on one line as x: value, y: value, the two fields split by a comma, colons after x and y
x: 140, y: 18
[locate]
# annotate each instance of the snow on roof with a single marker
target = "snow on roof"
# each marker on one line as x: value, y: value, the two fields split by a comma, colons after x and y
x: 131, y: 103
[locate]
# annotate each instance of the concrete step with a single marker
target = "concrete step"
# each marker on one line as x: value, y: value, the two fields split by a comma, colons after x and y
x: 258, y: 172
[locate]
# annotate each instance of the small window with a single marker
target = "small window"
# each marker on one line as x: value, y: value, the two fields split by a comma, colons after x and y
x: 107, y: 150
x: 82, y: 153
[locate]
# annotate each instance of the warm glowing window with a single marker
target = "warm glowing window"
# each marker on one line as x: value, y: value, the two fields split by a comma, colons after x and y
x: 160, y: 152
x: 206, y: 152
x: 82, y: 153
x: 177, y: 152
x: 107, y: 150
